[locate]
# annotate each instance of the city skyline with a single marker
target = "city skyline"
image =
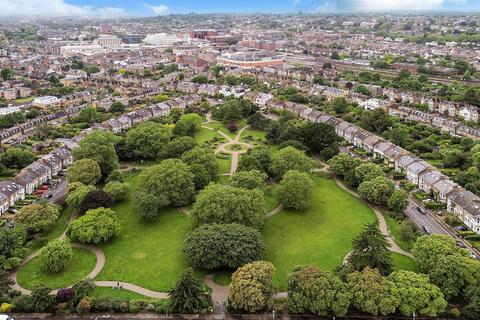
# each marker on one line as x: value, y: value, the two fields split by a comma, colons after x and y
x: 111, y: 8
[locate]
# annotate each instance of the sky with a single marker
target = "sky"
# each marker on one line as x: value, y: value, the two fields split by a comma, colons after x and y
x: 114, y: 8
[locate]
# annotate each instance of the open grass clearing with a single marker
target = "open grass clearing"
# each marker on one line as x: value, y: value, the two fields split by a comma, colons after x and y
x: 321, y: 235
x: 32, y: 274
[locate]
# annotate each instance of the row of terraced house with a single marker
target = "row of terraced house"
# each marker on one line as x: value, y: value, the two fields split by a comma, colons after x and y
x: 459, y: 201
x: 48, y: 166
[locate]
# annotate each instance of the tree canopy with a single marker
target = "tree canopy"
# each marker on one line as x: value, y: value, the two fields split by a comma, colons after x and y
x: 223, y: 245
x: 56, y: 255
x: 296, y: 190
x: 37, y: 217
x: 98, y: 225
x: 290, y: 158
x: 148, y: 140
x: 226, y: 204
x: 86, y: 171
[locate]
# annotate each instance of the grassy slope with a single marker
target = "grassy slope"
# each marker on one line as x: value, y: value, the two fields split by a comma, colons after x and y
x: 321, y: 235
x: 82, y: 264
x: 401, y: 262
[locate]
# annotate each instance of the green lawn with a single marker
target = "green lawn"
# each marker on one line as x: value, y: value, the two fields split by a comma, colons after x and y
x: 82, y: 264
x: 204, y: 135
x: 24, y: 100
x: 146, y: 254
x: 321, y: 235
x: 271, y: 198
x: 255, y: 134
x: 223, y: 277
x: 224, y: 165
x: 401, y: 262
x: 393, y: 226
x: 221, y: 127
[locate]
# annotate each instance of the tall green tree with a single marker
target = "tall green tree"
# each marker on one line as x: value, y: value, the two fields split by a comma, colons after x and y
x: 148, y: 140
x: 86, y: 171
x: 98, y: 146
x: 416, y: 294
x: 252, y: 288
x: 370, y: 249
x: 311, y: 290
x: 296, y: 190
x: 189, y: 295
x: 290, y: 158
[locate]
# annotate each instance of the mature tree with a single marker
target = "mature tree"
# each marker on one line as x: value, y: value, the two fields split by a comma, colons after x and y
x: 296, y: 190
x: 398, y: 201
x: 453, y: 274
x: 472, y: 309
x: 371, y: 292
x: 76, y: 195
x: 367, y: 171
x: 118, y: 191
x: 290, y: 158
x: 311, y: 290
x: 56, y: 255
x: 170, y: 182
x: 86, y: 171
x: 189, y: 295
x: 37, y: 217
x: 429, y: 248
x: 12, y: 246
x: 251, y: 289
x: 16, y: 158
x: 178, y: 146
x: 407, y: 230
x: 83, y: 288
x: 339, y: 105
x: 370, y: 249
x: 376, y: 121
x: 41, y: 300
x: 248, y: 179
x: 148, y: 140
x: 344, y: 166
x: 88, y: 115
x: 255, y: 159
x: 6, y: 283
x: 258, y: 121
x: 223, y: 245
x: 95, y: 199
x: 226, y: 204
x: 199, y: 79
x: 229, y: 111
x: 7, y: 73
x: 319, y: 137
x: 65, y: 295
x: 99, y: 146
x: 98, y: 225
x: 204, y: 158
x: 117, y: 107
x: 188, y: 125
x: 148, y: 206
x: 416, y: 294
x: 378, y: 190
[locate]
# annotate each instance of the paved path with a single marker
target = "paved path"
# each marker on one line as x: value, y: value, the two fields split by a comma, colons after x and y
x: 219, y: 293
x: 274, y: 211
x: 133, y: 288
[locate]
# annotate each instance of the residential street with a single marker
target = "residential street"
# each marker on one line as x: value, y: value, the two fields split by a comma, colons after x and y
x: 58, y: 192
x: 433, y: 223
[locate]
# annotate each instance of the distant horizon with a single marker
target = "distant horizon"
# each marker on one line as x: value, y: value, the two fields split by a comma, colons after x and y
x: 152, y: 8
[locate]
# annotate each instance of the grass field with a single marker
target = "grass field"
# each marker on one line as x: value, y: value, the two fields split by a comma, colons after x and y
x: 271, y: 198
x: 146, y: 254
x: 255, y: 134
x: 401, y: 262
x: 31, y: 275
x: 321, y: 235
x: 204, y: 135
x: 224, y: 165
x: 24, y: 100
x: 221, y: 127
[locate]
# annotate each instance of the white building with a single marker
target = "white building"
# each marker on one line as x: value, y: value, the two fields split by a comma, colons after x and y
x: 162, y: 39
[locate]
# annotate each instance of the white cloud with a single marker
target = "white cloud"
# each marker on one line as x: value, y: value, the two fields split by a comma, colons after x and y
x: 397, y: 5
x: 54, y: 8
x: 160, y: 9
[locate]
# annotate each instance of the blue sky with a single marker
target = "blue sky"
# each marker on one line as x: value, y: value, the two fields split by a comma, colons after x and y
x: 156, y: 7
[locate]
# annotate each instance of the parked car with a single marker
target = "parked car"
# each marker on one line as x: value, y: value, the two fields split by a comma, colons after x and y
x: 5, y: 317
x: 426, y: 229
x: 422, y: 210
x: 460, y: 244
x: 462, y: 228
